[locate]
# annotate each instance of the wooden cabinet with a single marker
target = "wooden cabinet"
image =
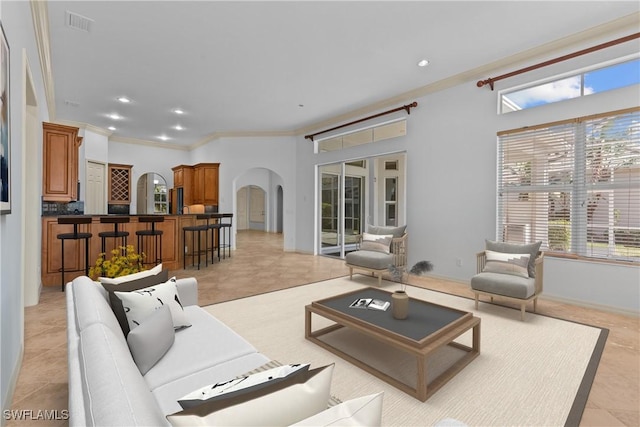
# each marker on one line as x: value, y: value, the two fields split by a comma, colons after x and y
x: 119, y: 184
x: 60, y: 162
x: 205, y: 183
x: 183, y: 187
x: 197, y: 184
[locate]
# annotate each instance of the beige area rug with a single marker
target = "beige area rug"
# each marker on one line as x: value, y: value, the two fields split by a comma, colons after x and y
x: 537, y: 372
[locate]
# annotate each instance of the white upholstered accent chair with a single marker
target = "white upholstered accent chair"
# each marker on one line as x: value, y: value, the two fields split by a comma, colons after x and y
x: 372, y: 256
x: 503, y: 279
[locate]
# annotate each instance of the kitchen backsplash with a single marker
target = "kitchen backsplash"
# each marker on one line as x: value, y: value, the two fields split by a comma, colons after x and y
x: 56, y: 209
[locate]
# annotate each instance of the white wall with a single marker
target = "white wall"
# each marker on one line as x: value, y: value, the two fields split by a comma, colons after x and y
x: 18, y: 26
x: 161, y: 162
x: 239, y: 155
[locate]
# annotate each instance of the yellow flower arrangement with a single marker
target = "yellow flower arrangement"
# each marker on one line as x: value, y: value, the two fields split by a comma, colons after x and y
x: 124, y: 260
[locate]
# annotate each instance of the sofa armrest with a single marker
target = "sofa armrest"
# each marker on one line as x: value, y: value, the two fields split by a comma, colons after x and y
x: 188, y: 290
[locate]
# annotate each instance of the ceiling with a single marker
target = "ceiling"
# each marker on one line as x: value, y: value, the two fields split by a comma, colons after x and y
x: 270, y: 67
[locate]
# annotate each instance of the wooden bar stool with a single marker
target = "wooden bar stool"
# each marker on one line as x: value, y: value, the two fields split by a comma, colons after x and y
x: 196, y: 231
x: 115, y: 234
x: 151, y: 232
x: 76, y: 235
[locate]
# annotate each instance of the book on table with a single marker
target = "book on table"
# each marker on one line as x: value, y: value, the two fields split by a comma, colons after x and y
x: 371, y: 304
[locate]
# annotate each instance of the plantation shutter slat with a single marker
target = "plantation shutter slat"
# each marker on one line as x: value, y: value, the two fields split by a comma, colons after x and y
x: 574, y: 185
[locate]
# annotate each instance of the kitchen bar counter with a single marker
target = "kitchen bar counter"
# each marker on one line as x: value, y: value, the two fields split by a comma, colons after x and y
x: 172, y: 242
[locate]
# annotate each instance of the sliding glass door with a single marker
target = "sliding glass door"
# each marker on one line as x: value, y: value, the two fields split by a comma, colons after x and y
x: 352, y: 194
x: 341, y: 208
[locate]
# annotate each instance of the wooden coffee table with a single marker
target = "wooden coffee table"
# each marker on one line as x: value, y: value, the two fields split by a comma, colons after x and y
x: 427, y: 328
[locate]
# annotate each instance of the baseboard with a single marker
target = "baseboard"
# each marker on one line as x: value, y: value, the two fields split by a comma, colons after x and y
x: 13, y: 382
x: 601, y: 307
x: 555, y: 298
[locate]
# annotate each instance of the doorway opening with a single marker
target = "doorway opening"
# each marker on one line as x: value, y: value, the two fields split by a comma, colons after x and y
x: 251, y: 201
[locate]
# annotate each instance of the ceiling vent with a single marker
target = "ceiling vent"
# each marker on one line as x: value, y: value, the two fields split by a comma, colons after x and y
x: 78, y: 22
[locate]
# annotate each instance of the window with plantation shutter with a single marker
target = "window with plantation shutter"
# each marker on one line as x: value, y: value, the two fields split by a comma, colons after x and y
x: 574, y: 185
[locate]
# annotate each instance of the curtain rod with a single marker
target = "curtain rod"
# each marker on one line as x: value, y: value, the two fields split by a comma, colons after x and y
x: 492, y: 80
x: 407, y: 108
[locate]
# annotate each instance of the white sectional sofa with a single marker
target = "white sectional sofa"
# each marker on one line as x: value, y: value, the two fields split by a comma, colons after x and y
x: 105, y: 384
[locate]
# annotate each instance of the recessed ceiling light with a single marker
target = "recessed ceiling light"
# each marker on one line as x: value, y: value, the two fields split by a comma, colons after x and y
x: 111, y: 128
x: 114, y: 116
x: 164, y: 137
x: 178, y: 127
x: 178, y: 111
x: 124, y: 99
x: 423, y: 63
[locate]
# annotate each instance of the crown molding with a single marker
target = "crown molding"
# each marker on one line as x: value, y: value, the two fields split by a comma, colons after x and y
x: 40, y: 15
x: 86, y: 126
x: 631, y: 21
x: 147, y: 143
x: 240, y: 134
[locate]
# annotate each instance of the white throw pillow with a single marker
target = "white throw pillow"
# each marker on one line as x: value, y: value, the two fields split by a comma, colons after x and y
x: 151, y: 339
x: 283, y: 404
x: 242, y: 384
x: 141, y: 303
x: 376, y: 242
x: 129, y: 277
x: 362, y: 411
x: 514, y: 264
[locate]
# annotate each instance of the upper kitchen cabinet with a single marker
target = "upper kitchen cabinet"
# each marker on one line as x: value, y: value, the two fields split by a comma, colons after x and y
x: 119, y: 184
x: 205, y: 183
x: 183, y: 186
x: 60, y: 162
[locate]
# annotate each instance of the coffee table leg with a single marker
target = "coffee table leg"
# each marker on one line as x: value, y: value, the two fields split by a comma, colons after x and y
x: 421, y: 380
x: 476, y: 338
x: 307, y: 322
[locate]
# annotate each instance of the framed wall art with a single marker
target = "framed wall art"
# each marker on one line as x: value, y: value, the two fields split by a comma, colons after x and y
x: 5, y: 124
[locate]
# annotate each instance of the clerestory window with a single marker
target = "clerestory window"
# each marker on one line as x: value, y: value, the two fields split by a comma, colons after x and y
x: 596, y: 80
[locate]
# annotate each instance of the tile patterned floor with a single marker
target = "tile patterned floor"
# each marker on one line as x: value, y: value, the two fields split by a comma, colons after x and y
x: 259, y: 265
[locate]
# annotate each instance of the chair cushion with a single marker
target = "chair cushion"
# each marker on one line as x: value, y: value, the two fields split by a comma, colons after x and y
x: 512, y: 248
x: 379, y: 229
x: 500, y: 262
x: 370, y: 259
x: 504, y: 284
x: 376, y: 242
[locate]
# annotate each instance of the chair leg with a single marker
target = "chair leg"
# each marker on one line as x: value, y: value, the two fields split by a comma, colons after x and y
x: 477, y: 297
x: 535, y: 304
x: 350, y: 273
x: 379, y: 280
x: 62, y: 269
x: 522, y: 307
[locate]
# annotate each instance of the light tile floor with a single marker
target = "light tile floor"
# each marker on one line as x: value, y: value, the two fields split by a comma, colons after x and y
x: 259, y: 265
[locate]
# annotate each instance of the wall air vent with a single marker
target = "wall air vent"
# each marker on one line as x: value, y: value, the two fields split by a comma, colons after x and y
x: 78, y: 22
